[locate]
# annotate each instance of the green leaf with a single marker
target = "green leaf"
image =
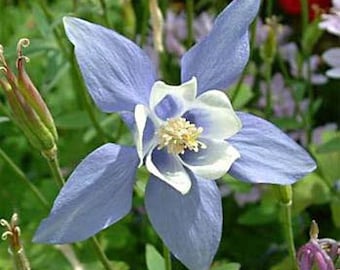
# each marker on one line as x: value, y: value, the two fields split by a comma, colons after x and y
x: 73, y: 120
x: 310, y: 190
x: 285, y: 264
x: 311, y: 36
x: 329, y: 166
x: 154, y: 260
x: 236, y: 185
x: 259, y: 214
x: 226, y: 266
x: 244, y: 95
x: 287, y: 123
x: 333, y: 145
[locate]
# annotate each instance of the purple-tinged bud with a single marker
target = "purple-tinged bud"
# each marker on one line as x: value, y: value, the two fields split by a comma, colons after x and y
x: 30, y: 93
x: 317, y: 252
x: 28, y: 108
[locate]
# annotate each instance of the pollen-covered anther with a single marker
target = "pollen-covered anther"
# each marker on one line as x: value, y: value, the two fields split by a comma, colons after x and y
x: 178, y: 134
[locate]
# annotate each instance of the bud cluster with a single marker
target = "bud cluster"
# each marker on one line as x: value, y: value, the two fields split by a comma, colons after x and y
x: 27, y: 106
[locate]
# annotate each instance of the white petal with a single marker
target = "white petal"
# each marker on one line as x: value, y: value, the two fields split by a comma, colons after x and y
x: 141, y: 116
x: 333, y: 73
x: 168, y: 168
x: 186, y: 91
x: 332, y: 57
x: 214, y: 113
x: 212, y: 162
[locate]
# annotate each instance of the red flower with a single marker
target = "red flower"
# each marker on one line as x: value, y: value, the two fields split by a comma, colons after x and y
x: 293, y: 7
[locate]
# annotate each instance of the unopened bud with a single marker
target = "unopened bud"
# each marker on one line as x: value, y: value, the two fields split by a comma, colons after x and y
x: 157, y: 22
x: 269, y: 48
x: 28, y: 108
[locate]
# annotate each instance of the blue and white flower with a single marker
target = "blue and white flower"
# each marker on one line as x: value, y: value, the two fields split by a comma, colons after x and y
x: 186, y: 135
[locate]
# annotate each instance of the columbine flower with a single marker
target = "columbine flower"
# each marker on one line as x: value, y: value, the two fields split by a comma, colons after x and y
x: 186, y: 136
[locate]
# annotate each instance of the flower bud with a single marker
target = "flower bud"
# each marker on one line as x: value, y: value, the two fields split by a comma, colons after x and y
x: 28, y: 108
x: 269, y: 48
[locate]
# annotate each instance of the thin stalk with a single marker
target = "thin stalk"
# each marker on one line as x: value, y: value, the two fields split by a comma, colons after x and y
x: 268, y: 108
x: 144, y: 23
x: 305, y: 14
x: 105, y: 15
x: 53, y: 164
x: 167, y: 257
x: 306, y: 56
x: 100, y: 254
x: 285, y: 196
x: 20, y: 175
x: 286, y: 209
x: 20, y: 260
x: 269, y: 8
x: 56, y: 32
x: 189, y: 5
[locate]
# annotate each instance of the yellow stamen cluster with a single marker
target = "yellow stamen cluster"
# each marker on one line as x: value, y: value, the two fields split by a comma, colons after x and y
x: 178, y: 134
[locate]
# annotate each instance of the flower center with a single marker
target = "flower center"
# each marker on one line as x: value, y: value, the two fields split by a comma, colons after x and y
x: 178, y: 134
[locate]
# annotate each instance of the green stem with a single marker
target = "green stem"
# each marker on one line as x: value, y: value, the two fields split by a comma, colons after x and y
x: 190, y: 18
x: 100, y: 254
x: 305, y: 14
x: 269, y: 8
x: 105, y: 15
x: 167, y: 257
x: 24, y: 179
x: 144, y: 23
x: 286, y: 199
x: 53, y: 164
x: 56, y: 32
x: 288, y: 231
x: 306, y: 56
x: 268, y: 75
x: 20, y: 260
